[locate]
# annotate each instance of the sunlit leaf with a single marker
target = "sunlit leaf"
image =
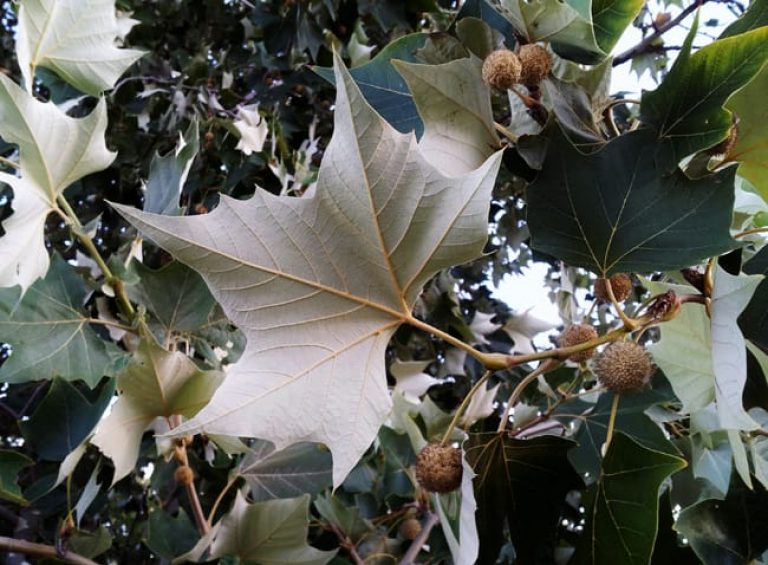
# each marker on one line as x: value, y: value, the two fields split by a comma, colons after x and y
x: 319, y: 284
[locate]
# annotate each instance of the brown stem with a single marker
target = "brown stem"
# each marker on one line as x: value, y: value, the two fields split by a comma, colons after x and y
x: 753, y: 231
x: 529, y: 378
x: 29, y: 548
x: 219, y: 498
x: 565, y: 352
x: 648, y: 40
x: 612, y: 420
x: 463, y: 406
x: 629, y: 323
x: 346, y: 543
x: 180, y: 452
x: 413, y: 551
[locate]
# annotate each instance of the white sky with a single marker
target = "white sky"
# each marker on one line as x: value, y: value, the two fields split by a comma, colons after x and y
x: 525, y: 291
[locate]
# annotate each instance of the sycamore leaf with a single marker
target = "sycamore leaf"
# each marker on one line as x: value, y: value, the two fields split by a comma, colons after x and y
x: 623, y: 519
x: 156, y: 383
x: 54, y: 151
x: 480, y: 406
x: 167, y: 174
x: 271, y: 533
x: 319, y: 284
x: 455, y: 105
x: 252, y: 128
x: 456, y: 511
x: 75, y: 39
x: 411, y: 380
x: 522, y: 328
x: 705, y: 359
x: 51, y: 313
x: 11, y: 462
x: 616, y: 210
x: 751, y: 149
x: 482, y: 326
x: 688, y: 120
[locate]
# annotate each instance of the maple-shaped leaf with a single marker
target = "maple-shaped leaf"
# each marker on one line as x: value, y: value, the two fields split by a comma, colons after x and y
x: 157, y: 383
x: 75, y: 39
x: 54, y: 151
x: 319, y: 284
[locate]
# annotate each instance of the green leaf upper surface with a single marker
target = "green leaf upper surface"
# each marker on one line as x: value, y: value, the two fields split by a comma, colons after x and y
x: 522, y: 483
x: 50, y: 314
x: 270, y: 533
x: 167, y: 536
x: 687, y: 110
x: 64, y: 418
x: 11, y: 462
x: 610, y: 18
x: 384, y: 88
x: 167, y: 174
x: 623, y: 519
x: 614, y: 210
x: 75, y: 39
x: 293, y: 471
x: 155, y: 383
x: 319, y: 284
x: 54, y: 151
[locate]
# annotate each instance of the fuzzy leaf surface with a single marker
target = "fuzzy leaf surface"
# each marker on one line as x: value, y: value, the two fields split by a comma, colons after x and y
x: 155, y: 383
x: 54, y: 151
x: 75, y: 39
x: 319, y: 284
x: 50, y: 313
x: 690, y: 119
x: 616, y: 211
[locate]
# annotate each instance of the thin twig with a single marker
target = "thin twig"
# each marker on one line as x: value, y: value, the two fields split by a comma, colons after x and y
x: 463, y: 406
x: 9, y: 163
x: 505, y: 132
x: 347, y: 544
x: 648, y: 40
x: 413, y: 551
x: 29, y: 548
x: 518, y: 390
x: 753, y: 231
x: 219, y: 498
x: 612, y: 420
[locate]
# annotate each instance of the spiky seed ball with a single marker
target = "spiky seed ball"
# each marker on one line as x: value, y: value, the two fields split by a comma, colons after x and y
x: 501, y: 69
x: 536, y: 63
x: 410, y: 529
x: 184, y: 475
x: 438, y: 468
x: 574, y: 335
x: 624, y: 366
x: 621, y: 285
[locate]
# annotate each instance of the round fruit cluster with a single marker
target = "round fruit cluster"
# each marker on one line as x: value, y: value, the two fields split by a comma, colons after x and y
x: 502, y: 69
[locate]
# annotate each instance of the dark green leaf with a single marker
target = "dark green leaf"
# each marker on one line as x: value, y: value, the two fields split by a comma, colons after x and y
x: 622, y: 520
x: 169, y: 536
x: 11, y: 462
x: 90, y: 544
x: 484, y: 10
x: 691, y: 119
x: 730, y: 531
x: 167, y: 175
x: 398, y: 458
x: 522, y: 483
x: 346, y: 518
x: 64, y: 418
x: 754, y: 320
x: 384, y: 88
x: 614, y: 210
x: 610, y: 18
x: 756, y: 16
x: 630, y: 419
x: 573, y: 109
x: 50, y: 313
x: 185, y: 309
x: 287, y: 473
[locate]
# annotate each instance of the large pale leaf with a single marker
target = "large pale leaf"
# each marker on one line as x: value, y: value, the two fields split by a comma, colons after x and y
x: 456, y: 511
x: 54, y: 151
x: 623, y: 518
x: 615, y: 210
x: 705, y: 359
x: 687, y: 119
x: 74, y: 38
x: 271, y: 533
x: 754, y: 319
x: 50, y: 334
x: 156, y: 383
x: 455, y: 105
x: 520, y: 483
x: 319, y: 284
x: 64, y: 418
